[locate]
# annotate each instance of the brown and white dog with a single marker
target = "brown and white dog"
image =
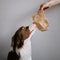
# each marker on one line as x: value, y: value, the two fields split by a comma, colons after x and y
x: 21, y: 43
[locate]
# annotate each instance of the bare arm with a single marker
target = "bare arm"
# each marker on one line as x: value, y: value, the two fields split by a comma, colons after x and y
x: 49, y: 4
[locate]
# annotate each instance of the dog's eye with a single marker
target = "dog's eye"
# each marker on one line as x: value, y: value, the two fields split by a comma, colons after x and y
x: 27, y: 27
x: 23, y: 28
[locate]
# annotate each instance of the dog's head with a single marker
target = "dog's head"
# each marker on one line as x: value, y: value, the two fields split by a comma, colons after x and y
x: 20, y: 35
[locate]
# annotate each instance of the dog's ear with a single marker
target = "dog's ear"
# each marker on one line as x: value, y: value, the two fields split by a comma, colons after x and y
x: 16, y: 39
x: 12, y: 42
x: 20, y: 38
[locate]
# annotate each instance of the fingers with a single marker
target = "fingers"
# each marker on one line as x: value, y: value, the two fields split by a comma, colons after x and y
x: 44, y: 6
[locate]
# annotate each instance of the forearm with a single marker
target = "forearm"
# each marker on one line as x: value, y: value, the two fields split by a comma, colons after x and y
x: 53, y: 2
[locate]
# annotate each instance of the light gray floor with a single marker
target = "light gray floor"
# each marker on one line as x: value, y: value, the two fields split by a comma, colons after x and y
x: 15, y: 13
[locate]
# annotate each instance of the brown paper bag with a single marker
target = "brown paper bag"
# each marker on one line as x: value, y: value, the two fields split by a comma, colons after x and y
x: 41, y: 21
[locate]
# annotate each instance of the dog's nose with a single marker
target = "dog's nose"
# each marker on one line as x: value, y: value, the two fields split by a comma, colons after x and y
x: 27, y: 27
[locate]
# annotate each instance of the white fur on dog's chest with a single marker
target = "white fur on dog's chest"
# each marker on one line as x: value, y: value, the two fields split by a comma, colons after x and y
x: 25, y: 51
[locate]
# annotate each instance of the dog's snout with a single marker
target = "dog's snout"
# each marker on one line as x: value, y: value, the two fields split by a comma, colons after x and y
x: 27, y: 27
x: 32, y: 27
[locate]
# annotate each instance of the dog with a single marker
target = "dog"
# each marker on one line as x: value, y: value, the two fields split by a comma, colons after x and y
x: 21, y: 44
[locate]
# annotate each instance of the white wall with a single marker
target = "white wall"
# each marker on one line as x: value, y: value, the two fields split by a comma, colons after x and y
x: 15, y: 13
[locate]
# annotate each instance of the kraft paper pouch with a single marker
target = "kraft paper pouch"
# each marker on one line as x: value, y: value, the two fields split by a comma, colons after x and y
x: 41, y: 21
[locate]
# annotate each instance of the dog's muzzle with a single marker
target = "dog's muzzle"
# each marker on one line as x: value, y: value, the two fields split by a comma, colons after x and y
x: 32, y: 27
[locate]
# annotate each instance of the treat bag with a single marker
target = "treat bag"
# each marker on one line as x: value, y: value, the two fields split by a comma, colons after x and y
x: 41, y: 21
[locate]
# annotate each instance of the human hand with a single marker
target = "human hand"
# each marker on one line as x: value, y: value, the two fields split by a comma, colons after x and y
x: 49, y: 4
x: 44, y: 6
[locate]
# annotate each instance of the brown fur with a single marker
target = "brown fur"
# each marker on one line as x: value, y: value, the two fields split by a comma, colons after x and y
x: 18, y: 41
x: 20, y: 35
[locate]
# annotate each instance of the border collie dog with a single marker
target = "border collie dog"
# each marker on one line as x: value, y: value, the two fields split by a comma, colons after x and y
x: 21, y: 44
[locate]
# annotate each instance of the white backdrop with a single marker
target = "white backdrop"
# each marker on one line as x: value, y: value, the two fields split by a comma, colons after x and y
x: 15, y: 13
